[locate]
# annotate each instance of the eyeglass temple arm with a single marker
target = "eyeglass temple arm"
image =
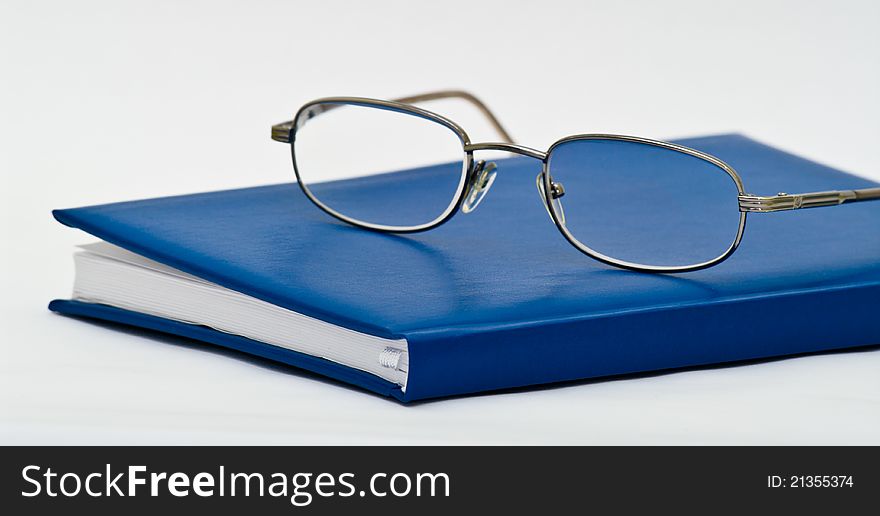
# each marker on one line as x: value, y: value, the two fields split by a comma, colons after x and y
x: 281, y: 132
x: 784, y: 201
x: 466, y: 96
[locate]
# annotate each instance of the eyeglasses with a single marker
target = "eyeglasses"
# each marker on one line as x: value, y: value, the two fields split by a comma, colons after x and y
x: 674, y: 209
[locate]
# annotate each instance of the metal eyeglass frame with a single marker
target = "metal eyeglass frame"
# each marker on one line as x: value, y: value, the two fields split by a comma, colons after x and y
x: 472, y: 174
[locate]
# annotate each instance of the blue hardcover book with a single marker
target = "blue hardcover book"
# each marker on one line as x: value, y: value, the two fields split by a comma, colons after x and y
x: 490, y: 300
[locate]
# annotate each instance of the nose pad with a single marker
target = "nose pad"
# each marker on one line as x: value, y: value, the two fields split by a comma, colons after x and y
x: 556, y: 192
x: 481, y: 182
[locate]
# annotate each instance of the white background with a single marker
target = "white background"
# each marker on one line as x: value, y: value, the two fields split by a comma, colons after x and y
x: 101, y: 102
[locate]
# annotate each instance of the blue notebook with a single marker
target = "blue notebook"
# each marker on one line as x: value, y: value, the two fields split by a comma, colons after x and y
x: 497, y: 298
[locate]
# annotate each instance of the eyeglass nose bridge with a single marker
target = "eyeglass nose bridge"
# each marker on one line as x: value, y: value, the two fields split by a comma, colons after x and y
x: 483, y: 174
x: 507, y: 147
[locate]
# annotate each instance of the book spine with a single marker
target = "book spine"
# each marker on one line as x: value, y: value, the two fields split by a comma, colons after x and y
x: 454, y: 361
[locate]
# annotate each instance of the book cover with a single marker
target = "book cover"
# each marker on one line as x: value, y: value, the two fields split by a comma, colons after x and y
x: 497, y: 298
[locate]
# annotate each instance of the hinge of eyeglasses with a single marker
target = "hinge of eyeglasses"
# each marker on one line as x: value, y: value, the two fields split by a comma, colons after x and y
x: 281, y: 132
x: 783, y: 201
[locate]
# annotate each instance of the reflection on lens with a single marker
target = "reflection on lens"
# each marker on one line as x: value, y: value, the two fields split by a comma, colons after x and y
x: 379, y: 166
x: 644, y: 204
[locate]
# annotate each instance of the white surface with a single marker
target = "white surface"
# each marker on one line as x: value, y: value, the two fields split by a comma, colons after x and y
x: 110, y: 275
x: 102, y: 102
